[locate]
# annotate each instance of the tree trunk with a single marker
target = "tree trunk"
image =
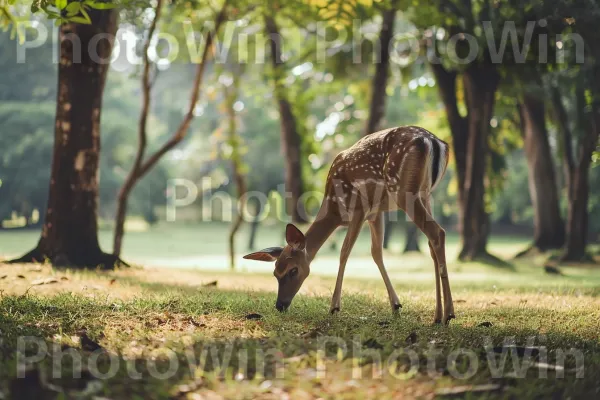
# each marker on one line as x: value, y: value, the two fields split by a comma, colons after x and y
x: 380, y: 79
x: 254, y: 225
x: 549, y: 229
x: 480, y: 82
x: 69, y: 235
x: 412, y: 238
x: 577, y: 172
x: 291, y: 143
x: 577, y: 216
x: 236, y: 164
x: 446, y: 84
x: 470, y: 145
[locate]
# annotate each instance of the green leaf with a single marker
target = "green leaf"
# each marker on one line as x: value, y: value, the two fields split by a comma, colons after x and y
x: 73, y: 8
x: 61, y: 4
x: 80, y: 20
x: 86, y: 16
x: 34, y: 7
x: 100, y: 6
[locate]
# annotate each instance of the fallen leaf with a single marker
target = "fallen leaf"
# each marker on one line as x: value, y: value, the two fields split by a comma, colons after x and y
x: 64, y: 278
x: 253, y: 316
x: 21, y: 276
x: 485, y: 324
x: 460, y: 301
x: 3, y: 276
x: 112, y: 281
x: 210, y: 284
x: 463, y: 390
x: 44, y: 281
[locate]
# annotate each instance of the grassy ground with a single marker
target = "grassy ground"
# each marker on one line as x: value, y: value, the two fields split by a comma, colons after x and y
x: 203, y: 245
x: 150, y: 319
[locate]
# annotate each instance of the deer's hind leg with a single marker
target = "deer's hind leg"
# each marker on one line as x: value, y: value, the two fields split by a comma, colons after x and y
x: 422, y: 217
x: 409, y: 186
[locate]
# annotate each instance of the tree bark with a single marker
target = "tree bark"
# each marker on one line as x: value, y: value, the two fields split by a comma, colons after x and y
x: 254, y: 225
x: 446, y: 84
x: 380, y: 79
x: 577, y: 172
x: 69, y: 235
x: 470, y: 144
x: 480, y: 82
x: 291, y: 143
x: 141, y: 166
x: 549, y: 228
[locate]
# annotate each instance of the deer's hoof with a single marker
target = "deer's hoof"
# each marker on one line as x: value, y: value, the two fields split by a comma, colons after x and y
x: 396, y: 307
x: 437, y: 321
x: 448, y: 318
x: 334, y: 310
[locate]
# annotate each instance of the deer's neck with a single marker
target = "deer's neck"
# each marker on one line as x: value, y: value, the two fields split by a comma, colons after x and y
x: 318, y: 232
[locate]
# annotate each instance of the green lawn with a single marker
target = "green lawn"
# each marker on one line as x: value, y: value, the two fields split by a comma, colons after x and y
x: 149, y: 320
x: 204, y: 245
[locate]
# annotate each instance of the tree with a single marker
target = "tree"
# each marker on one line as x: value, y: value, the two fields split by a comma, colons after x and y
x: 141, y: 165
x: 69, y: 235
x: 290, y: 138
x: 382, y: 67
x: 237, y: 168
x: 577, y: 83
x: 577, y: 169
x: 549, y: 228
x: 450, y: 27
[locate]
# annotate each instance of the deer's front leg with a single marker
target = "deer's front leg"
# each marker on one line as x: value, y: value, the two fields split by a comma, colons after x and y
x: 351, y: 235
x: 377, y: 253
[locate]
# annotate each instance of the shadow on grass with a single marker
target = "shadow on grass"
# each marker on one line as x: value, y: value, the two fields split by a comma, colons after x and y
x: 288, y: 344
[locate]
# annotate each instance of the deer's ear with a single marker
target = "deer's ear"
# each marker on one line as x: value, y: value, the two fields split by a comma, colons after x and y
x: 268, y: 254
x: 294, y: 237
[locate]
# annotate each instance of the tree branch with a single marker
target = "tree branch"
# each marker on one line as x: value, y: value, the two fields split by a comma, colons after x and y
x: 182, y: 130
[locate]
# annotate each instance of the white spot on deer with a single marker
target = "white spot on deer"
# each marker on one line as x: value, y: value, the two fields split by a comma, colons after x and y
x: 80, y: 161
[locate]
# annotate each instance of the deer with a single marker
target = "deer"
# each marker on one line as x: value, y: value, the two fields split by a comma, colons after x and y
x: 392, y: 169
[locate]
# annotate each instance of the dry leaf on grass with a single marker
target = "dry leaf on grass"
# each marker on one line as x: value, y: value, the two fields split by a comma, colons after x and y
x: 43, y: 281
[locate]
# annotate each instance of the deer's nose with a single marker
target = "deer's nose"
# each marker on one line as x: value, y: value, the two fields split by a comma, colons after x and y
x: 282, y: 305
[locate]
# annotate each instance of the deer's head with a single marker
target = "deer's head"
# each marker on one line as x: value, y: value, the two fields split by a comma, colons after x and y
x: 291, y: 265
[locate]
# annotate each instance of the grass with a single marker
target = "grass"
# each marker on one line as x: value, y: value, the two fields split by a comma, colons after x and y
x: 203, y: 245
x: 143, y: 316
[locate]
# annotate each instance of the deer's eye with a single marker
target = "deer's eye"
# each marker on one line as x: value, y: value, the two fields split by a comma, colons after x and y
x: 293, y: 272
